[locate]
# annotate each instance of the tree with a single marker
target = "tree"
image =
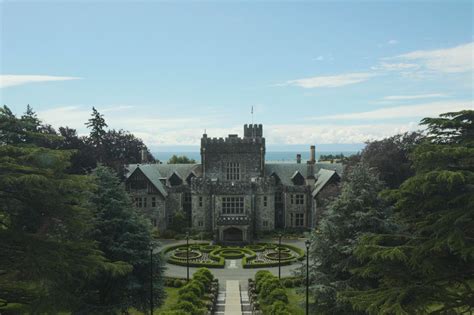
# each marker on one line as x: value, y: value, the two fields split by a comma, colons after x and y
x: 45, y: 248
x: 427, y: 266
x: 124, y: 235
x: 357, y: 210
x: 390, y: 157
x: 182, y: 159
x: 83, y: 159
x: 97, y: 125
x: 122, y: 148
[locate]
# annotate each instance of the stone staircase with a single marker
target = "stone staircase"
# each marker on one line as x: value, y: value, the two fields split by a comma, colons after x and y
x: 233, y: 301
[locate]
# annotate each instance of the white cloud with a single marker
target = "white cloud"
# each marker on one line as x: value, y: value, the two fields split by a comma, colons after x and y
x: 319, y: 58
x: 449, y: 60
x: 409, y: 111
x: 401, y: 66
x: 392, y: 42
x: 7, y: 80
x: 413, y: 97
x: 330, y: 81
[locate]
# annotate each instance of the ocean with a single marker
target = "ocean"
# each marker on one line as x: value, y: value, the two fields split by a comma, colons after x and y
x: 272, y: 156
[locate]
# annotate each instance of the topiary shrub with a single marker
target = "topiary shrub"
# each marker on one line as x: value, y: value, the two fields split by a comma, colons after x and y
x: 204, y: 280
x: 268, y: 285
x: 189, y: 308
x: 193, y: 286
x: 179, y: 283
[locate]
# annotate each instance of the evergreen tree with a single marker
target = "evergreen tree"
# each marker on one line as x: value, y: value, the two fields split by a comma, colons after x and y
x: 357, y: 210
x: 123, y: 235
x: 390, y: 157
x: 97, y: 125
x: 427, y: 266
x: 45, y: 251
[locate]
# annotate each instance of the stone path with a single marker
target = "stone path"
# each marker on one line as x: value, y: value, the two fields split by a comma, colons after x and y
x: 232, y: 298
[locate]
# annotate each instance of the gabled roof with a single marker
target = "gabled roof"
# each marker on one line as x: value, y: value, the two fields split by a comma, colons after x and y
x: 286, y: 171
x: 151, y: 173
x: 324, y: 176
x: 182, y: 170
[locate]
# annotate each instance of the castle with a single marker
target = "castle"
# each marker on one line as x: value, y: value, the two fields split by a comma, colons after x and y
x: 234, y: 192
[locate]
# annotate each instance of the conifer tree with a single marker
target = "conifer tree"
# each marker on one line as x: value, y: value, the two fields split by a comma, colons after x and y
x: 357, y: 210
x: 124, y: 235
x: 45, y: 250
x: 427, y: 266
x: 97, y: 125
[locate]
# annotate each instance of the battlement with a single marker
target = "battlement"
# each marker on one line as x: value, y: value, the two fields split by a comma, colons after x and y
x: 253, y: 131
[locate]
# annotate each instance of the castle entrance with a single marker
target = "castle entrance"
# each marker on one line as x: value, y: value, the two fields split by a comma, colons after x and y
x: 233, y: 234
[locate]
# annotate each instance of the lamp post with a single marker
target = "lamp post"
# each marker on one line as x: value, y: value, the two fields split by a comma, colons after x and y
x: 279, y: 255
x: 151, y: 279
x: 187, y: 256
x: 307, y: 243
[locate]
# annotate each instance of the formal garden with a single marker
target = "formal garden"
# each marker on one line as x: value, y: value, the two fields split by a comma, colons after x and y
x: 214, y: 256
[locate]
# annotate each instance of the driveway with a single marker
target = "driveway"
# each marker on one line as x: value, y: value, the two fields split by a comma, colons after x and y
x: 233, y: 268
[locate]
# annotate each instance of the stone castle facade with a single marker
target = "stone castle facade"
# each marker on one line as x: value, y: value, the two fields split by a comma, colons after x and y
x: 234, y: 192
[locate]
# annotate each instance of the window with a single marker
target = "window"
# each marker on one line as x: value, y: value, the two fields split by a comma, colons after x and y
x: 153, y: 202
x: 265, y: 223
x: 233, y: 205
x: 144, y: 202
x: 175, y: 180
x: 299, y: 219
x: 264, y: 201
x: 170, y: 219
x: 233, y: 171
x: 153, y: 222
x: 139, y: 202
x: 200, y: 223
x: 297, y: 199
x: 200, y: 201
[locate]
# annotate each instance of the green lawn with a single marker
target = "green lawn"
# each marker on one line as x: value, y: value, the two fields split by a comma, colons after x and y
x: 170, y: 301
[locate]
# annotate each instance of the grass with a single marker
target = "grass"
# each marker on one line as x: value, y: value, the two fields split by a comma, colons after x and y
x: 170, y: 301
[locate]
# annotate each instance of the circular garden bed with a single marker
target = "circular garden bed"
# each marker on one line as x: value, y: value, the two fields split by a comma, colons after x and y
x: 214, y: 256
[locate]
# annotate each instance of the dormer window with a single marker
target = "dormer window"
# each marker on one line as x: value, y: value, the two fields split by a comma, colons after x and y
x: 175, y: 180
x: 276, y: 177
x: 297, y: 179
x: 190, y: 178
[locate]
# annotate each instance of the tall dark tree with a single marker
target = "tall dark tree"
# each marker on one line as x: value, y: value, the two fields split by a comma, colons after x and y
x: 97, y: 126
x: 124, y: 235
x: 427, y: 266
x: 357, y: 210
x: 122, y: 148
x: 45, y: 250
x: 83, y: 160
x: 390, y: 157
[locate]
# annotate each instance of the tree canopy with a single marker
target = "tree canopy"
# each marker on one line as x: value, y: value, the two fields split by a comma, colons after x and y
x: 427, y: 265
x: 181, y: 159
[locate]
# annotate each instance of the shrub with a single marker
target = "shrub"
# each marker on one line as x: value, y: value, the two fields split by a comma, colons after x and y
x: 190, y: 297
x: 262, y: 274
x: 202, y: 279
x: 206, y: 272
x: 189, y: 308
x: 194, y: 287
x: 268, y: 285
x: 278, y: 308
x: 275, y: 295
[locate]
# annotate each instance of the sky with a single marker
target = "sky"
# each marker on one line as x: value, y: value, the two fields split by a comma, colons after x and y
x: 340, y: 72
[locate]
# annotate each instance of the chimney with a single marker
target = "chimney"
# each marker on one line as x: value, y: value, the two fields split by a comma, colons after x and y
x: 298, y: 158
x: 143, y: 155
x: 313, y: 154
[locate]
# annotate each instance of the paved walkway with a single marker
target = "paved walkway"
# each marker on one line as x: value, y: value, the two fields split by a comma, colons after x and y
x: 232, y: 298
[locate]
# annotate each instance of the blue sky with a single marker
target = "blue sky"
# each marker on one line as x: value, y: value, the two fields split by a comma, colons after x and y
x: 315, y: 72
